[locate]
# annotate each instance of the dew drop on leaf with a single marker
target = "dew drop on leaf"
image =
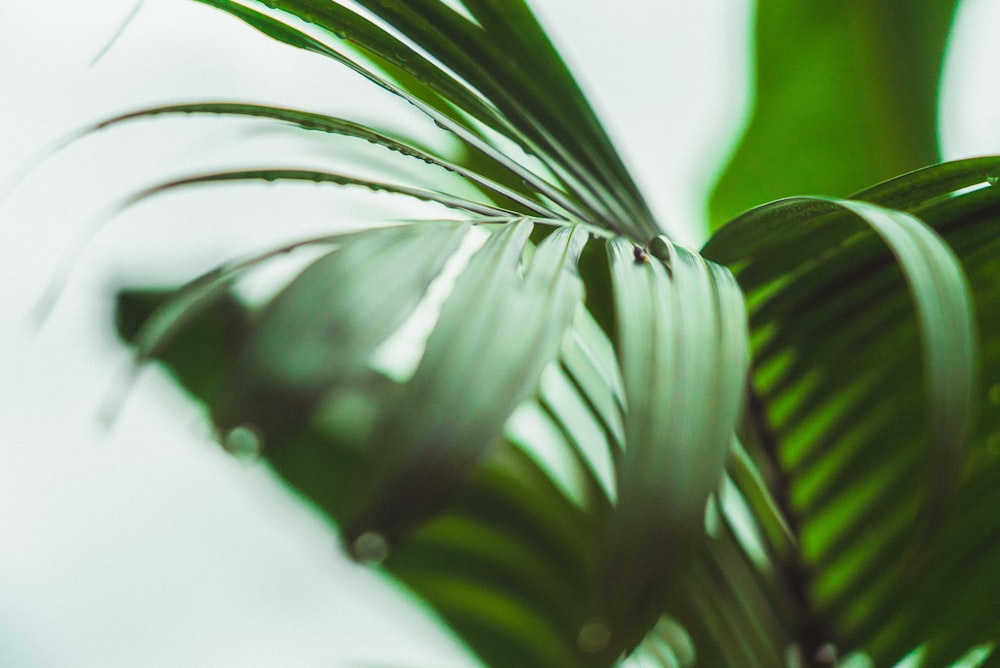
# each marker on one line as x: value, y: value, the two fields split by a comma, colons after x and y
x: 593, y: 637
x: 244, y: 442
x: 370, y: 547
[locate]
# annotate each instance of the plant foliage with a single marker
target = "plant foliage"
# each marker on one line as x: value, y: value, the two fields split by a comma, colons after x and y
x: 780, y: 450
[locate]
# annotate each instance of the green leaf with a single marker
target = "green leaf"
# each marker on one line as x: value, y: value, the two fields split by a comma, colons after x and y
x: 581, y: 210
x: 864, y: 376
x: 203, y: 354
x: 507, y: 563
x: 506, y: 560
x: 320, y: 332
x: 420, y: 76
x: 315, y: 176
x: 589, y: 358
x: 524, y: 90
x: 507, y: 57
x: 735, y: 615
x: 496, y: 334
x: 330, y: 125
x: 681, y: 338
x: 953, y: 600
x: 846, y: 95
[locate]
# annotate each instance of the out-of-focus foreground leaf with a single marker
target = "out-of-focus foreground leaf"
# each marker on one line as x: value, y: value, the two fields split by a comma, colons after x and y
x: 498, y: 527
x: 845, y: 95
x: 382, y: 455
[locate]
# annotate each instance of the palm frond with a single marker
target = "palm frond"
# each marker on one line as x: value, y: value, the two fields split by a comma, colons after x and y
x: 599, y: 208
x: 864, y: 392
x: 495, y: 335
x: 562, y: 469
x: 681, y: 337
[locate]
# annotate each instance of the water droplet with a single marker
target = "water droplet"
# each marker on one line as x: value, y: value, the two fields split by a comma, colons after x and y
x: 659, y: 248
x: 370, y: 547
x: 244, y: 442
x: 993, y: 180
x: 593, y: 637
x: 994, y: 394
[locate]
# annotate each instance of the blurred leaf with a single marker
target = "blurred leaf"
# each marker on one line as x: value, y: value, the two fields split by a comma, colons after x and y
x: 735, y: 614
x: 203, y: 357
x: 320, y: 332
x: 845, y: 95
x: 507, y: 563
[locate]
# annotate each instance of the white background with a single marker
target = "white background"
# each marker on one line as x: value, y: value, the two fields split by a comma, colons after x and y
x: 145, y: 546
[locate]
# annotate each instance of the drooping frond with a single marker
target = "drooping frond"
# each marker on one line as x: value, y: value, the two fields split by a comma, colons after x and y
x: 864, y: 389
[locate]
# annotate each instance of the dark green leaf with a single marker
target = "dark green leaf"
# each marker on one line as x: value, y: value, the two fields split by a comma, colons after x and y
x: 506, y: 56
x: 507, y: 564
x: 294, y: 37
x: 864, y: 376
x: 205, y: 355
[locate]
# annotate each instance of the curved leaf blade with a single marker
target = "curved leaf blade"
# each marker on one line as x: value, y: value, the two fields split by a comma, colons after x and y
x: 496, y: 334
x: 681, y: 337
x: 320, y: 332
x: 507, y: 57
x: 321, y: 177
x: 834, y: 319
x: 586, y: 209
x: 335, y: 126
